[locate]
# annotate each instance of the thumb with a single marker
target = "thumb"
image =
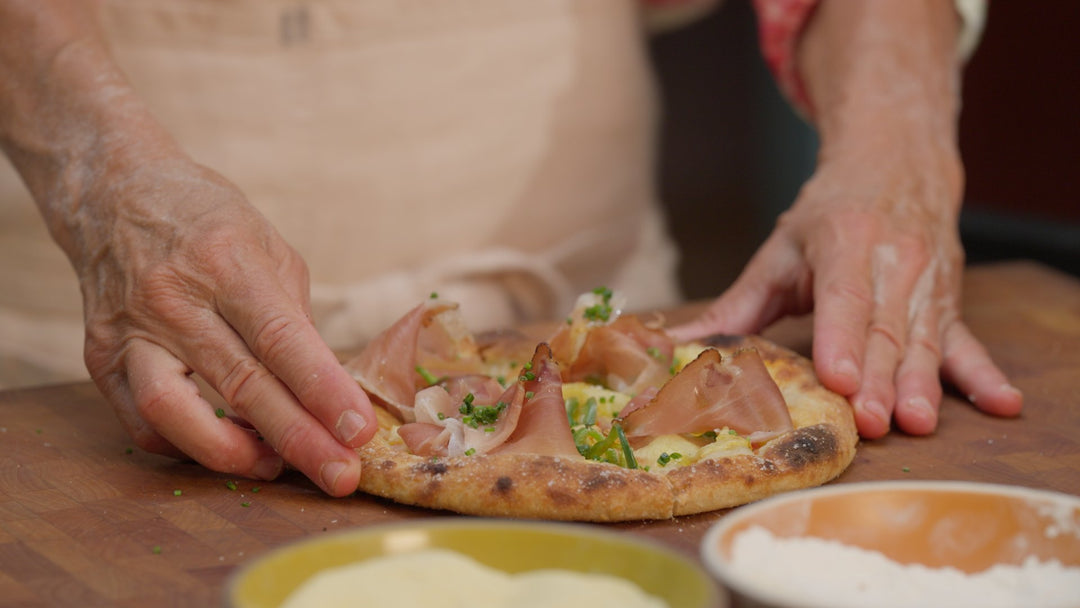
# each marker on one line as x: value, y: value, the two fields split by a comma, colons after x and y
x: 768, y: 288
x: 738, y: 311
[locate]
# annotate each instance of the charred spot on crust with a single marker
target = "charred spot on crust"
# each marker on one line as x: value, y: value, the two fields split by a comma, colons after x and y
x: 806, y: 446
x: 432, y: 468
x: 602, y: 481
x: 387, y: 465
x: 504, y: 484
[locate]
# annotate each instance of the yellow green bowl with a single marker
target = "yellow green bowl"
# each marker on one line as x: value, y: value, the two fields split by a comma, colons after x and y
x: 511, y: 546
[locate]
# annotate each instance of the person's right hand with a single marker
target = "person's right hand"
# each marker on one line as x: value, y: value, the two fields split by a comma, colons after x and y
x: 181, y: 275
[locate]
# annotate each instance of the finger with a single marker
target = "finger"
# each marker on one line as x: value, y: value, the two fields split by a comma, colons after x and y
x: 968, y: 366
x: 170, y: 402
x: 843, y: 308
x: 769, y: 287
x: 918, y: 384
x: 258, y: 396
x: 873, y: 403
x: 901, y: 292
x: 279, y: 333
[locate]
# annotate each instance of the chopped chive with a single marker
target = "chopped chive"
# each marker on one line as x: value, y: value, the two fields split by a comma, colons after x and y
x: 245, y: 504
x: 529, y: 394
x: 156, y: 549
x: 255, y: 490
x: 470, y: 451
x: 434, y: 295
x: 572, y: 410
x: 231, y: 485
x: 177, y: 492
x: 129, y: 451
x: 589, y: 418
x: 628, y: 452
x: 219, y: 412
x: 426, y: 375
x: 906, y: 469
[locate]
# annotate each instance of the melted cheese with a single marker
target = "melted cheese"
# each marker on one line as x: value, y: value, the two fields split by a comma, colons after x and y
x: 437, y: 577
x: 608, y: 402
x: 685, y: 353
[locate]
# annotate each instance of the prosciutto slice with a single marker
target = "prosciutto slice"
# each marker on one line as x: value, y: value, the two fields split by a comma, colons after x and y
x: 626, y: 355
x: 543, y: 427
x: 442, y: 429
x: 710, y: 394
x: 432, y: 336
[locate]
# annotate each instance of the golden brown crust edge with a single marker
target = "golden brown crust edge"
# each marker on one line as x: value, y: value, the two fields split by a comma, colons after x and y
x: 515, y: 485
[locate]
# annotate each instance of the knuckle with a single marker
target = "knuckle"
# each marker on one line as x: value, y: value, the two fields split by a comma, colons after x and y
x: 849, y: 291
x: 274, y: 334
x: 920, y: 341
x: 294, y: 439
x: 242, y: 384
x: 889, y: 332
x: 153, y: 402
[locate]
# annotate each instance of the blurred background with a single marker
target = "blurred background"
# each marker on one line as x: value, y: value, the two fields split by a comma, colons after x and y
x: 725, y: 180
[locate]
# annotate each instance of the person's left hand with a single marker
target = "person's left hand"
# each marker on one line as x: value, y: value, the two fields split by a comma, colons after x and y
x: 871, y: 245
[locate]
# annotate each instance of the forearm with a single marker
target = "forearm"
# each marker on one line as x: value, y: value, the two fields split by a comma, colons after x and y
x: 884, y: 74
x: 68, y: 117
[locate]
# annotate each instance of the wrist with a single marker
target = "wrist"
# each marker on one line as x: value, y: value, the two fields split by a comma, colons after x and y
x: 886, y: 65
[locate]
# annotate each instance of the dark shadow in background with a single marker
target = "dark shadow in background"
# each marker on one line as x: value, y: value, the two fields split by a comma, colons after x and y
x: 734, y: 155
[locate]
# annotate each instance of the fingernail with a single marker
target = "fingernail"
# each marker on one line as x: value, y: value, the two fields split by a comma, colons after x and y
x: 349, y: 425
x: 922, y: 407
x: 268, y: 467
x: 846, y: 367
x: 329, y: 473
x: 1008, y: 388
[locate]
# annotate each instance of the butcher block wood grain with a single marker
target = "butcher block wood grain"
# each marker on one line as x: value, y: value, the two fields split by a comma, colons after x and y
x: 86, y: 519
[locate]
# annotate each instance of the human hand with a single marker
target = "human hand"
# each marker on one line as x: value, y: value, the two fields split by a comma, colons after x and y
x: 181, y: 275
x: 871, y: 246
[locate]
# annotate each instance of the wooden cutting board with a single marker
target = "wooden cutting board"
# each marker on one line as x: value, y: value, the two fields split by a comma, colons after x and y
x: 86, y: 519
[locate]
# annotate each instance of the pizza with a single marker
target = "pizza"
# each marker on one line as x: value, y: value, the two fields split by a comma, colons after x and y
x: 604, y: 418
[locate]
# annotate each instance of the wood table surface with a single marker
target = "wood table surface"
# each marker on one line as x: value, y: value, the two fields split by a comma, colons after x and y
x: 86, y: 519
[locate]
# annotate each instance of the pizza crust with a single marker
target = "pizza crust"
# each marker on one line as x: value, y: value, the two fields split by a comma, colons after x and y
x: 543, y: 487
x: 515, y: 485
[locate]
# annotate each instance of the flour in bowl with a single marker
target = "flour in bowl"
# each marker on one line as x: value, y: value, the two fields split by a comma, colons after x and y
x: 447, y: 579
x: 812, y: 571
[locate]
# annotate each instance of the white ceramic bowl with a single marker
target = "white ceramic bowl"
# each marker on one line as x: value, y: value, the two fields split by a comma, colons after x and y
x: 969, y: 527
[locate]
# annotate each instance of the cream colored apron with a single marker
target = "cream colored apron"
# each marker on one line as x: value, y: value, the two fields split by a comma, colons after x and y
x: 500, y: 153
